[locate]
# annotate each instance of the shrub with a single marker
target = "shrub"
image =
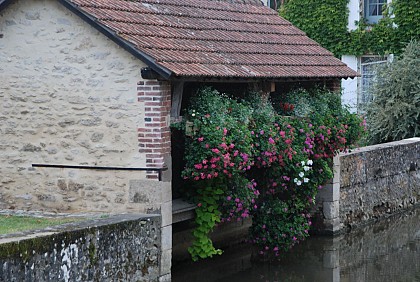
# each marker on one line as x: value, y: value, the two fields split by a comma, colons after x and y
x: 243, y: 159
x: 394, y: 113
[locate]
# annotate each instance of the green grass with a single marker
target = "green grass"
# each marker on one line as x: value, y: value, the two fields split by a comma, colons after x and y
x: 11, y: 224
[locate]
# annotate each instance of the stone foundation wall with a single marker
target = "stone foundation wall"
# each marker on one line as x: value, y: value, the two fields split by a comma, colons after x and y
x: 123, y: 248
x: 369, y: 183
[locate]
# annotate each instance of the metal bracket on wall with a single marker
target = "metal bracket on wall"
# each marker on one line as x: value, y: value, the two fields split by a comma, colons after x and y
x: 159, y: 170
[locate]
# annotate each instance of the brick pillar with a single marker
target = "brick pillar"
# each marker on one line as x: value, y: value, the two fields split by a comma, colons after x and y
x: 155, y: 136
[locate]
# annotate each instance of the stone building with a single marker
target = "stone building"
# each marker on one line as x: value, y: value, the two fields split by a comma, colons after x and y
x: 88, y: 90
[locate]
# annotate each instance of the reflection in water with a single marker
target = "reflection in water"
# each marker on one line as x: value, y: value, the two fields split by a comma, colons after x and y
x: 384, y: 251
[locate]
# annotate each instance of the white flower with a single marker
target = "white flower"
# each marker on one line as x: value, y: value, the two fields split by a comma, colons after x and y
x: 306, y: 168
x: 299, y: 183
x: 306, y: 180
x: 295, y: 180
x: 302, y: 162
x: 193, y: 114
x: 310, y: 162
x: 301, y: 174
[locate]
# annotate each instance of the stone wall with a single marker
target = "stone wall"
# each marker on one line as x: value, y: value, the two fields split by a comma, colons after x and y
x: 369, y: 183
x: 68, y: 95
x: 71, y: 96
x: 123, y: 248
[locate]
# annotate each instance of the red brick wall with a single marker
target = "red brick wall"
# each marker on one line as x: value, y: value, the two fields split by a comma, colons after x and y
x: 155, y: 136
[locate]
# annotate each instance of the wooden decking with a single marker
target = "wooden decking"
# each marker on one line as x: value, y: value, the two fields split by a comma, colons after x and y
x: 182, y: 210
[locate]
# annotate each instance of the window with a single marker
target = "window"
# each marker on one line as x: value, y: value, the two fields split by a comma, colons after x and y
x: 373, y: 10
x: 368, y: 68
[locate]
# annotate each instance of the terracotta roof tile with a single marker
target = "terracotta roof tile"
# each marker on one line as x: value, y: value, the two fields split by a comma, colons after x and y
x: 215, y: 38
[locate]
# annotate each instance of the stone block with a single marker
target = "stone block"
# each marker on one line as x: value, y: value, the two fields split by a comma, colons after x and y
x: 166, y: 212
x: 165, y: 264
x: 331, y: 210
x: 165, y: 278
x: 332, y: 226
x: 166, y: 237
x: 329, y: 193
x: 166, y: 190
x: 141, y: 191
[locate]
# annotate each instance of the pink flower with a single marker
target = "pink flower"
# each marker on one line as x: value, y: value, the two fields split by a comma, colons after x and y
x: 199, y: 205
x: 198, y: 166
x: 271, y: 140
x: 224, y: 131
x: 262, y: 132
x: 215, y: 150
x: 228, y: 198
x: 200, y: 139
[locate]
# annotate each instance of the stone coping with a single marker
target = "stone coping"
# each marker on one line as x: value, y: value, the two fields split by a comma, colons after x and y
x: 381, y: 146
x: 92, y: 220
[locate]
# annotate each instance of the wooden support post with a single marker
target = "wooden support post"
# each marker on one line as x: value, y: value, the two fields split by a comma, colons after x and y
x: 177, y: 100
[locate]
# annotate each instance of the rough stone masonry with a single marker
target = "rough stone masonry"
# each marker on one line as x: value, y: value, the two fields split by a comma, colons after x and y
x: 370, y: 183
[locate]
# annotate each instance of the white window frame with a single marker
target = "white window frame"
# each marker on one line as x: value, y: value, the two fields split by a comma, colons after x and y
x: 367, y: 70
x: 379, y: 4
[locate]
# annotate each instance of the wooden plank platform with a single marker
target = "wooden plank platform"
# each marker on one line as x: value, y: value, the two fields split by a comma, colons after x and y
x: 182, y: 210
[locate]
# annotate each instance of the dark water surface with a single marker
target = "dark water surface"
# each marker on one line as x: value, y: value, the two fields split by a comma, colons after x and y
x: 388, y: 250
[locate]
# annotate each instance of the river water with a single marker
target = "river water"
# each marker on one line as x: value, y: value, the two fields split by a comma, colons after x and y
x: 388, y: 250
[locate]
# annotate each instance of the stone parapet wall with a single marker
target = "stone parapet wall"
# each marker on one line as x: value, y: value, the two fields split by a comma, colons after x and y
x: 379, y: 180
x: 123, y: 248
x: 369, y: 183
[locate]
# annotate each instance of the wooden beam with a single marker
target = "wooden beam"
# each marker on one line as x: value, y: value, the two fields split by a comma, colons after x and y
x: 177, y: 99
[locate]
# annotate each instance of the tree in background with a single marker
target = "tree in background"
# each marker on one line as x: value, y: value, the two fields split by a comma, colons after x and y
x: 394, y: 113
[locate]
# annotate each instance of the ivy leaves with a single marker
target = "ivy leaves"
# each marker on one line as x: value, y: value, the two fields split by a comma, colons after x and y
x: 207, y: 215
x: 326, y: 22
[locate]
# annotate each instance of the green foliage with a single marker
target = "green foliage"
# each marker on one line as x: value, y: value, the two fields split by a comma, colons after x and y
x: 235, y: 146
x: 279, y: 224
x: 207, y: 215
x: 394, y: 113
x: 326, y: 23
x: 407, y: 18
